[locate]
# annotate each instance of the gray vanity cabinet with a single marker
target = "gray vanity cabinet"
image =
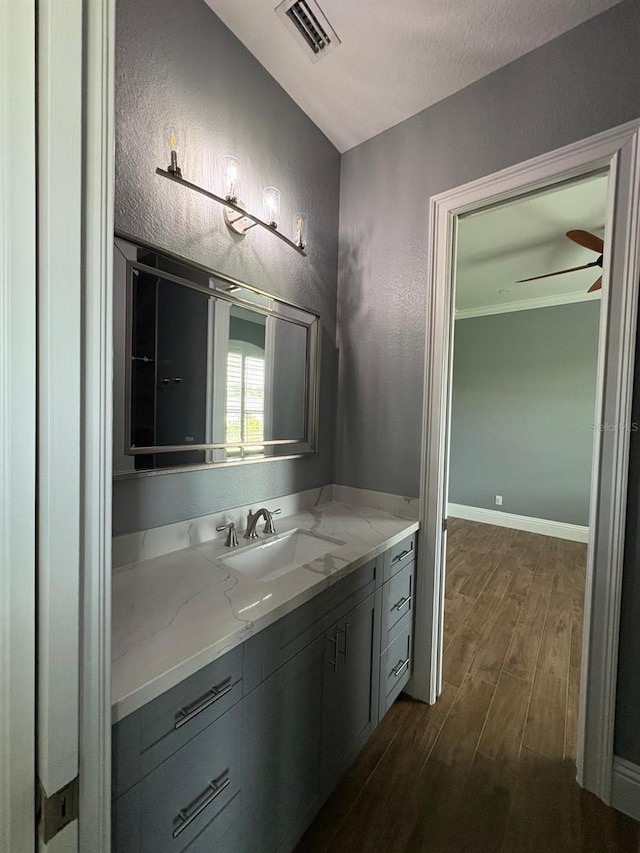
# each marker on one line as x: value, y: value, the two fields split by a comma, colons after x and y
x: 239, y: 757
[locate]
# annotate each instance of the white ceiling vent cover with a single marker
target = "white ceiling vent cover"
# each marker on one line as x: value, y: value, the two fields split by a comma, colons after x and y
x: 308, y: 23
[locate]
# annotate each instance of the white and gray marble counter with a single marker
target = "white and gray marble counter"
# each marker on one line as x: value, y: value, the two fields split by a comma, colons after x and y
x: 175, y: 613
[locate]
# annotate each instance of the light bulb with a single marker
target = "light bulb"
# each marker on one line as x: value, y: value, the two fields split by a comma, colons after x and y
x: 171, y: 137
x: 231, y: 178
x: 271, y: 206
x: 300, y: 226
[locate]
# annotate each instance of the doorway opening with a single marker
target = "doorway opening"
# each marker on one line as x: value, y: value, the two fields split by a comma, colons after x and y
x: 525, y: 335
x: 615, y: 153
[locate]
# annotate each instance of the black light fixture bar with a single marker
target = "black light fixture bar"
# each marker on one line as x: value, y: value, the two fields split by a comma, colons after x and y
x: 223, y: 201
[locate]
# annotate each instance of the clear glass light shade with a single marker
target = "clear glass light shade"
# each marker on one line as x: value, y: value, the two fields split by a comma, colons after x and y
x: 173, y: 149
x: 231, y: 178
x: 300, y: 228
x: 271, y: 206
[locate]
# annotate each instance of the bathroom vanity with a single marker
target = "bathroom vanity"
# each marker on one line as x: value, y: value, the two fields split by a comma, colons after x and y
x: 246, y: 674
x: 242, y: 692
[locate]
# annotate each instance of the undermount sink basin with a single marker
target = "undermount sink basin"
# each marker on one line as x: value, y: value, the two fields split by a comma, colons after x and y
x: 282, y: 553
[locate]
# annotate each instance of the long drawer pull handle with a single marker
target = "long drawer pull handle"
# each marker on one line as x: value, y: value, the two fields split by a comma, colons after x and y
x: 402, y: 664
x: 214, y: 694
x: 402, y: 555
x: 188, y: 817
x: 403, y: 601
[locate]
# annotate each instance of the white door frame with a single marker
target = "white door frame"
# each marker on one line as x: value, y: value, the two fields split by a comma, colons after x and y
x: 97, y: 430
x: 59, y: 250
x: 619, y: 151
x: 76, y: 57
x: 17, y: 424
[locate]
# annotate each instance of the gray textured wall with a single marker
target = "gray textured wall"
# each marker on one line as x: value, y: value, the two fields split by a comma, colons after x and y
x: 176, y: 62
x: 579, y: 84
x: 522, y: 411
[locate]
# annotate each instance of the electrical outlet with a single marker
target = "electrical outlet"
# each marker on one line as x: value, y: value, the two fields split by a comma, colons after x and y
x: 498, y: 500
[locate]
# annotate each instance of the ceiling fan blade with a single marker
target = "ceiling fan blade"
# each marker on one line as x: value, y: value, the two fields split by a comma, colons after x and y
x: 587, y: 240
x: 559, y: 272
x: 596, y: 286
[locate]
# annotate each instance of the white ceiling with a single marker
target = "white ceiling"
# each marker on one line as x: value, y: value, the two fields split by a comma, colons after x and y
x: 524, y: 238
x: 397, y: 57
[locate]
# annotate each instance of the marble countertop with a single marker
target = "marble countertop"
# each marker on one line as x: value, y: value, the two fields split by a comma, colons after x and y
x: 174, y: 614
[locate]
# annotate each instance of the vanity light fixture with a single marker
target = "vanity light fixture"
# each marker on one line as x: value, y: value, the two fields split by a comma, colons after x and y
x: 271, y: 206
x: 236, y: 216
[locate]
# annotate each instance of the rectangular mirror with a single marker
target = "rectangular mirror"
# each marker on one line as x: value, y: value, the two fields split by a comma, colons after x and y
x: 208, y: 370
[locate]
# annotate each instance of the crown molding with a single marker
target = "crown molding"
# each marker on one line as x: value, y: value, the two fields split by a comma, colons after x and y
x: 527, y: 304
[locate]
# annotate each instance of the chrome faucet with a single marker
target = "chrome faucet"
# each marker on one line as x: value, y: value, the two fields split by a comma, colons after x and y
x: 254, y: 517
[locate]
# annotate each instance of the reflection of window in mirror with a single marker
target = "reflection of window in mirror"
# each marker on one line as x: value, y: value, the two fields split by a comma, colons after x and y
x: 245, y: 398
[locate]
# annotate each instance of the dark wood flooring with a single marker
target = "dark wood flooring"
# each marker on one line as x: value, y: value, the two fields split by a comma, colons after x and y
x: 490, y: 768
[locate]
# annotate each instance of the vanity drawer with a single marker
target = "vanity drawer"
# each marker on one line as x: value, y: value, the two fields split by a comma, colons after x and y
x: 397, y: 601
x: 182, y: 797
x: 395, y: 665
x: 399, y: 556
x: 149, y: 736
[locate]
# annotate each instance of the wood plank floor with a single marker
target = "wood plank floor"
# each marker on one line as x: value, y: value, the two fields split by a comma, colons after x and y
x: 490, y: 767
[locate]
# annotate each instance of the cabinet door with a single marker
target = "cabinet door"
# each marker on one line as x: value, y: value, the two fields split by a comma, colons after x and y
x: 348, y: 713
x: 291, y: 767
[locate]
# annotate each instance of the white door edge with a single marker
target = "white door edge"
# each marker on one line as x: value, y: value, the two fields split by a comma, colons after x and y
x: 616, y: 150
x: 59, y: 54
x: 96, y: 440
x: 17, y: 425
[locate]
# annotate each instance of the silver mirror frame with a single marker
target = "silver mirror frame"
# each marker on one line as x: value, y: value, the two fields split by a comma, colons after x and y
x: 222, y: 287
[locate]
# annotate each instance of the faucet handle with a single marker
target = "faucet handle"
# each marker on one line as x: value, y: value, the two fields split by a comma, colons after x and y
x: 232, y: 535
x: 268, y: 525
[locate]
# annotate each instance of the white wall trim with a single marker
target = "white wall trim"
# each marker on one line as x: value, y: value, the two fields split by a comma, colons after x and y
x: 625, y: 792
x: 527, y: 304
x: 17, y: 425
x: 545, y: 527
x: 616, y: 150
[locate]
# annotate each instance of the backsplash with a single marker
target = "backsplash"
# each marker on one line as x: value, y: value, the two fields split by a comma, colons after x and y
x: 146, y: 544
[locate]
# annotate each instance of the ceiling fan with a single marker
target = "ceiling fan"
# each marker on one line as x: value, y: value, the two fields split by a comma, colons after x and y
x: 588, y: 241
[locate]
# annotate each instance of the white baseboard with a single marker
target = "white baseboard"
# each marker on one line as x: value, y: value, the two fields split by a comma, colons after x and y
x: 574, y: 532
x: 625, y: 790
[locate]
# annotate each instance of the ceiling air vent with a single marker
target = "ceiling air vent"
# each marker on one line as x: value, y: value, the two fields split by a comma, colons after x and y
x: 306, y: 20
